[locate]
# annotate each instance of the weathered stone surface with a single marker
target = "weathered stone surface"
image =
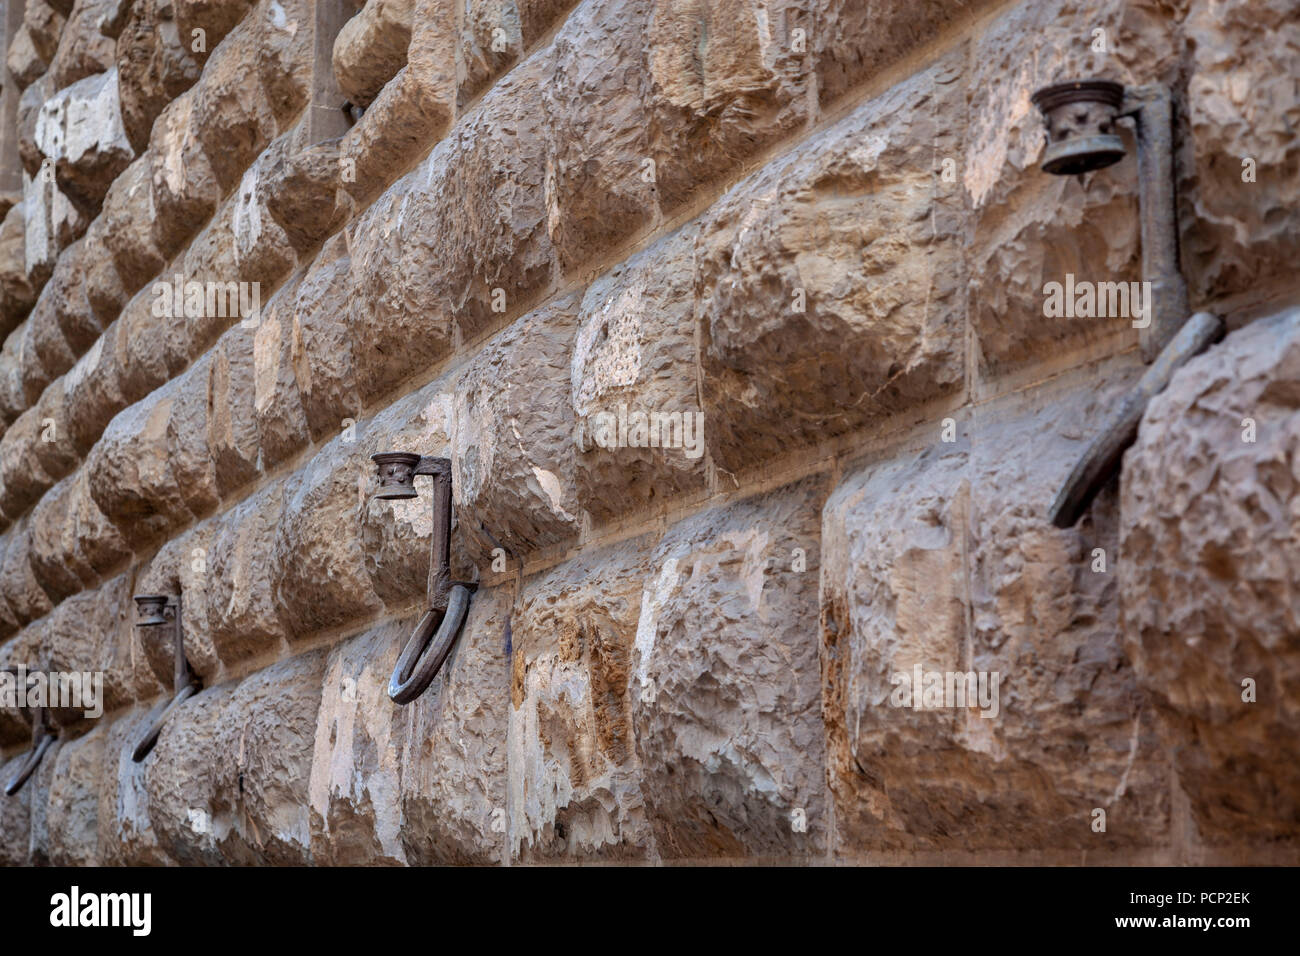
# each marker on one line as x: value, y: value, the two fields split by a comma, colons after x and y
x: 126, y: 834
x: 155, y: 65
x: 634, y: 354
x: 88, y: 44
x: 242, y: 613
x: 1029, y: 228
x: 228, y: 779
x: 43, y: 24
x: 133, y: 477
x: 1209, y: 557
x: 215, y: 18
x: 18, y: 585
x: 726, y: 708
x: 422, y: 784
x: 318, y: 571
x: 944, y: 559
x: 22, y: 60
x: 15, y: 819
x: 73, y: 815
x: 127, y: 226
x: 185, y: 190
x: 281, y: 420
x: 299, y: 187
x: 1242, y: 106
x: 371, y: 48
x: 322, y: 345
x: 512, y: 447
x: 830, y: 284
x: 182, y: 568
x: 16, y: 293
x: 575, y: 787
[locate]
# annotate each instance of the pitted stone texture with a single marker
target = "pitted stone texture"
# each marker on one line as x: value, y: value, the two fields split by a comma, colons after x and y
x: 242, y: 613
x: 322, y: 345
x: 727, y: 710
x: 830, y: 284
x: 1242, y: 105
x: 635, y: 352
x: 155, y: 66
x: 371, y: 48
x: 228, y: 781
x: 15, y: 818
x: 1209, y: 559
x: 422, y: 784
x: 945, y: 559
x: 512, y: 447
x: 856, y: 39
x: 22, y: 60
x: 319, y: 572
x: 215, y: 18
x: 88, y: 44
x: 126, y: 833
x: 73, y: 815
x: 18, y: 585
x: 185, y: 190
x: 575, y: 789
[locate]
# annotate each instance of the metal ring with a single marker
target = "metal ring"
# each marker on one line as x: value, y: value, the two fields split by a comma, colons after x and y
x: 29, y: 765
x: 423, y: 657
x: 151, y: 737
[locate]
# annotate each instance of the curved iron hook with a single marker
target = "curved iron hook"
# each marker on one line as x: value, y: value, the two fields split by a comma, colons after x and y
x: 426, y: 651
x: 42, y: 739
x: 428, y: 647
x: 151, y: 735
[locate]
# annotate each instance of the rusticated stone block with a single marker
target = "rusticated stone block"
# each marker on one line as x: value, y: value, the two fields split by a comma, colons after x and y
x: 233, y: 436
x: 73, y: 815
x: 228, y: 781
x: 422, y: 784
x: 1242, y: 106
x: 18, y: 585
x: 94, y: 390
x: 512, y: 446
x: 155, y: 65
x: 575, y: 787
x: 856, y: 39
x: 318, y: 571
x: 943, y: 562
x: 152, y: 464
x: 215, y: 18
x: 185, y: 190
x: 1209, y: 549
x: 128, y: 226
x: 322, y: 345
x: 24, y: 480
x: 634, y: 361
x: 126, y: 834
x: 242, y: 614
x: 281, y: 420
x: 80, y: 130
x: 24, y: 63
x: 15, y: 818
x: 44, y: 24
x: 88, y: 44
x: 830, y: 284
x: 727, y: 707
x: 371, y: 48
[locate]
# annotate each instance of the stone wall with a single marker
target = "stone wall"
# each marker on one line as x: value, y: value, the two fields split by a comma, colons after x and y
x: 481, y: 229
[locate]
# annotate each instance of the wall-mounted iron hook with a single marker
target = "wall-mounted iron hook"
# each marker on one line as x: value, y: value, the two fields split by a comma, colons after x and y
x: 435, y: 635
x: 43, y: 737
x: 154, y: 610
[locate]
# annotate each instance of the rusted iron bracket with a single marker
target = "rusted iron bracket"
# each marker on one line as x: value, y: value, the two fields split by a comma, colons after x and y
x: 43, y: 737
x: 1102, y: 458
x: 154, y: 610
x: 435, y: 635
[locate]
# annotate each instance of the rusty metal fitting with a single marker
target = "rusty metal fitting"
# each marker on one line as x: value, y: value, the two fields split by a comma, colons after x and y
x: 1080, y: 117
x: 43, y: 738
